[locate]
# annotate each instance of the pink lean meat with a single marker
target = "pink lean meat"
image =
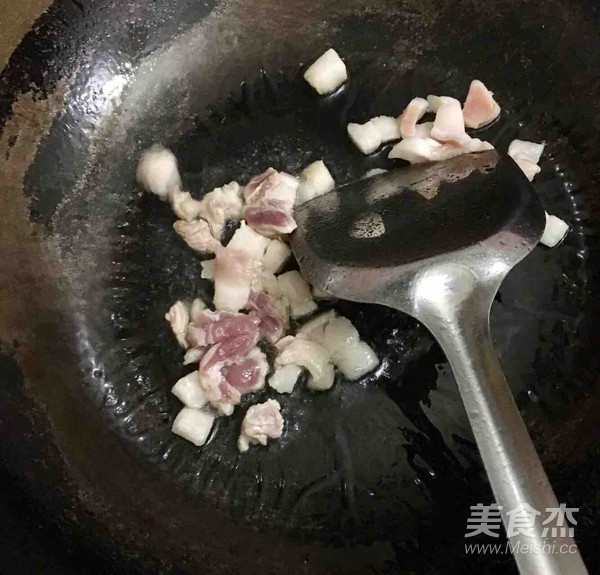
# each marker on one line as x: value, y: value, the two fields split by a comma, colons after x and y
x: 216, y: 381
x: 270, y: 199
x: 271, y: 314
x: 480, y: 108
x: 210, y: 327
x: 247, y: 374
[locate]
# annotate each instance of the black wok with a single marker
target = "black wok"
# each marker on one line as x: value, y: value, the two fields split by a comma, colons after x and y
x: 374, y: 477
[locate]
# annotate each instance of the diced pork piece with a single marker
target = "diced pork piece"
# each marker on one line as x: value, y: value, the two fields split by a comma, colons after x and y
x: 189, y: 391
x: 193, y: 425
x: 270, y: 220
x: 315, y: 180
x: 527, y: 150
x: 353, y: 357
x: 233, y: 276
x: 280, y: 197
x: 157, y: 171
x: 555, y: 232
x: 222, y: 204
x: 315, y: 328
x: 247, y: 374
x: 197, y: 235
x: 208, y: 270
x: 276, y: 256
x: 272, y: 314
x: 388, y: 128
x: 214, y: 380
x: 185, y: 207
x: 327, y: 73
x: 480, y: 108
x: 210, y: 327
x: 369, y: 136
x: 298, y: 294
x: 289, y: 180
x: 449, y: 124
x: 415, y: 110
x: 270, y: 201
x: 262, y: 422
x: 277, y: 190
x: 228, y: 351
x: 284, y: 378
x: 246, y: 240
x: 356, y: 360
x: 178, y: 317
x: 272, y: 186
x: 267, y: 283
x: 417, y: 150
x: 312, y: 356
x: 366, y: 137
x: 526, y: 155
x: 256, y: 182
x: 194, y: 355
x: 421, y: 150
x: 197, y: 307
x: 434, y: 103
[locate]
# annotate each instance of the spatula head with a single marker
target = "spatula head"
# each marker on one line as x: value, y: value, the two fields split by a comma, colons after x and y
x: 477, y: 210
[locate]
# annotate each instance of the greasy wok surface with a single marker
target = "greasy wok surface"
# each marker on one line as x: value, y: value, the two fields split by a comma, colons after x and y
x: 373, y: 477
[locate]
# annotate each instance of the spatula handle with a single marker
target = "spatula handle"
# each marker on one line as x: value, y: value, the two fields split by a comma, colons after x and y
x: 455, y: 306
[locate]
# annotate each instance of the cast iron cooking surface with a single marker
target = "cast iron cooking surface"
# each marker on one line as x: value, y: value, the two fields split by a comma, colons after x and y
x: 355, y: 464
x: 376, y: 475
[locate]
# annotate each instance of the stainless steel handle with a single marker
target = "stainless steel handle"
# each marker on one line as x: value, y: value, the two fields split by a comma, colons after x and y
x: 455, y: 305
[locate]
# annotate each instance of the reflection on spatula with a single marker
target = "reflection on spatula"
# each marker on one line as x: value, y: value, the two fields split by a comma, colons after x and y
x: 436, y: 242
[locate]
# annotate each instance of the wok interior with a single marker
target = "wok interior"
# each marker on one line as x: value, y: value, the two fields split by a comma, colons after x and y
x: 385, y: 468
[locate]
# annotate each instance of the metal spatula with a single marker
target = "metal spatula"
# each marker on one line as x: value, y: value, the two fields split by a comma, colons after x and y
x: 436, y: 242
